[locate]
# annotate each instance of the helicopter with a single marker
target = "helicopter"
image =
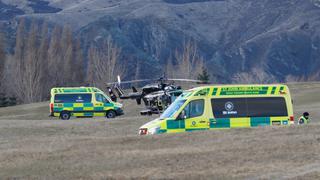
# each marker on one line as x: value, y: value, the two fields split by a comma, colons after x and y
x: 156, y: 96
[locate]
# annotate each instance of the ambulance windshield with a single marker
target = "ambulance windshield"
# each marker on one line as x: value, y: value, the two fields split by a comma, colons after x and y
x: 108, y: 98
x: 172, y: 109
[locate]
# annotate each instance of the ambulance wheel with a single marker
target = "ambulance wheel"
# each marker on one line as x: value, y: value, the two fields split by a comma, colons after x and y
x: 111, y: 114
x: 65, y: 115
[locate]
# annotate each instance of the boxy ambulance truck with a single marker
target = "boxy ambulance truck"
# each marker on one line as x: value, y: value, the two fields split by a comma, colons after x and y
x: 225, y: 106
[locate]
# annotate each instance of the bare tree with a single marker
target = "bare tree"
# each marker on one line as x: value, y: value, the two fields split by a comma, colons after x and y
x: 16, y: 63
x: 137, y: 69
x: 32, y: 75
x: 67, y: 55
x: 65, y: 59
x: 170, y: 68
x: 27, y: 74
x: 314, y: 76
x: 20, y: 42
x: 256, y: 75
x: 77, y: 67
x: 55, y: 59
x: 26, y: 66
x: 104, y: 64
x: 40, y: 63
x: 43, y: 58
x: 2, y: 58
x: 188, y: 62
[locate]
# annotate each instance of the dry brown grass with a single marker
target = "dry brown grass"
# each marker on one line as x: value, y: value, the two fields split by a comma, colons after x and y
x: 104, y: 149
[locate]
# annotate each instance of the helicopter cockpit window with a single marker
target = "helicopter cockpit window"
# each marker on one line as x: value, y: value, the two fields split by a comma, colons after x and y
x: 194, y: 108
x: 169, y: 88
x: 172, y: 109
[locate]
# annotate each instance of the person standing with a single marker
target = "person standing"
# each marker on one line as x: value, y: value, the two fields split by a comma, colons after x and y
x: 304, y: 119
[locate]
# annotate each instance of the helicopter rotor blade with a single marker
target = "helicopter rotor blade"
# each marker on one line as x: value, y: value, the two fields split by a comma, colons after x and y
x: 158, y: 79
x: 186, y: 80
x: 175, y: 91
x: 129, y: 82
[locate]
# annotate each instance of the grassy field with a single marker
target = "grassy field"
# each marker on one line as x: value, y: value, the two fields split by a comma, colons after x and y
x: 35, y: 146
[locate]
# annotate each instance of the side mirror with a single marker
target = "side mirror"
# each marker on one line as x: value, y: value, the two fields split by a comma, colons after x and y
x: 182, y: 115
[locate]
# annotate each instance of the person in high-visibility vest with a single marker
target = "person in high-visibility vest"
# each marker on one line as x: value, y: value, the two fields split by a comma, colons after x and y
x: 304, y: 119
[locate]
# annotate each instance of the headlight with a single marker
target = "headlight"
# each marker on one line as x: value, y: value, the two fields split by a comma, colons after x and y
x: 143, y: 131
x: 119, y: 105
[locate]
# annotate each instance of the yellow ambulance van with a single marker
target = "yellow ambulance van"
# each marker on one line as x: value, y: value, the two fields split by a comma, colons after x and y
x: 225, y: 106
x: 82, y: 102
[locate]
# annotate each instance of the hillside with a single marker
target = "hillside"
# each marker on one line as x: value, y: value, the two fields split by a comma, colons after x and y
x: 240, y: 40
x: 34, y: 146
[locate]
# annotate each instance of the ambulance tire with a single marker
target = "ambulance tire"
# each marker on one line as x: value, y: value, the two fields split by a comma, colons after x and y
x: 65, y: 115
x: 111, y: 114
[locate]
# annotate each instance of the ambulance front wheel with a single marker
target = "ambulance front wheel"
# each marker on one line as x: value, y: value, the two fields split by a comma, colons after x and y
x: 111, y: 114
x: 65, y: 115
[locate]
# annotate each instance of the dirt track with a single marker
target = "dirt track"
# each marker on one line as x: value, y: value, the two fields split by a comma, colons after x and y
x: 96, y: 148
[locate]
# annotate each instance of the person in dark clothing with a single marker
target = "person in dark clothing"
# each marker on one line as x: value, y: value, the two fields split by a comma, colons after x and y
x: 304, y: 119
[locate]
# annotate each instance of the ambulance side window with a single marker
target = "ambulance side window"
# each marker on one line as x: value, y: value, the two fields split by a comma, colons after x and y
x: 249, y: 107
x: 101, y: 98
x: 229, y: 107
x: 194, y: 108
x: 72, y: 98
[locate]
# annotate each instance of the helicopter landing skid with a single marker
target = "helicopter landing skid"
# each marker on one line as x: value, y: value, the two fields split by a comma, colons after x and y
x: 148, y: 112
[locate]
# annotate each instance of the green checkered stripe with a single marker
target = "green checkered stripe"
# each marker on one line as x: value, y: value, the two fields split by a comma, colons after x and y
x: 172, y: 125
x: 71, y: 106
x: 215, y: 91
x: 218, y: 123
x: 203, y: 92
x: 254, y: 122
x: 177, y: 125
x: 273, y: 91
